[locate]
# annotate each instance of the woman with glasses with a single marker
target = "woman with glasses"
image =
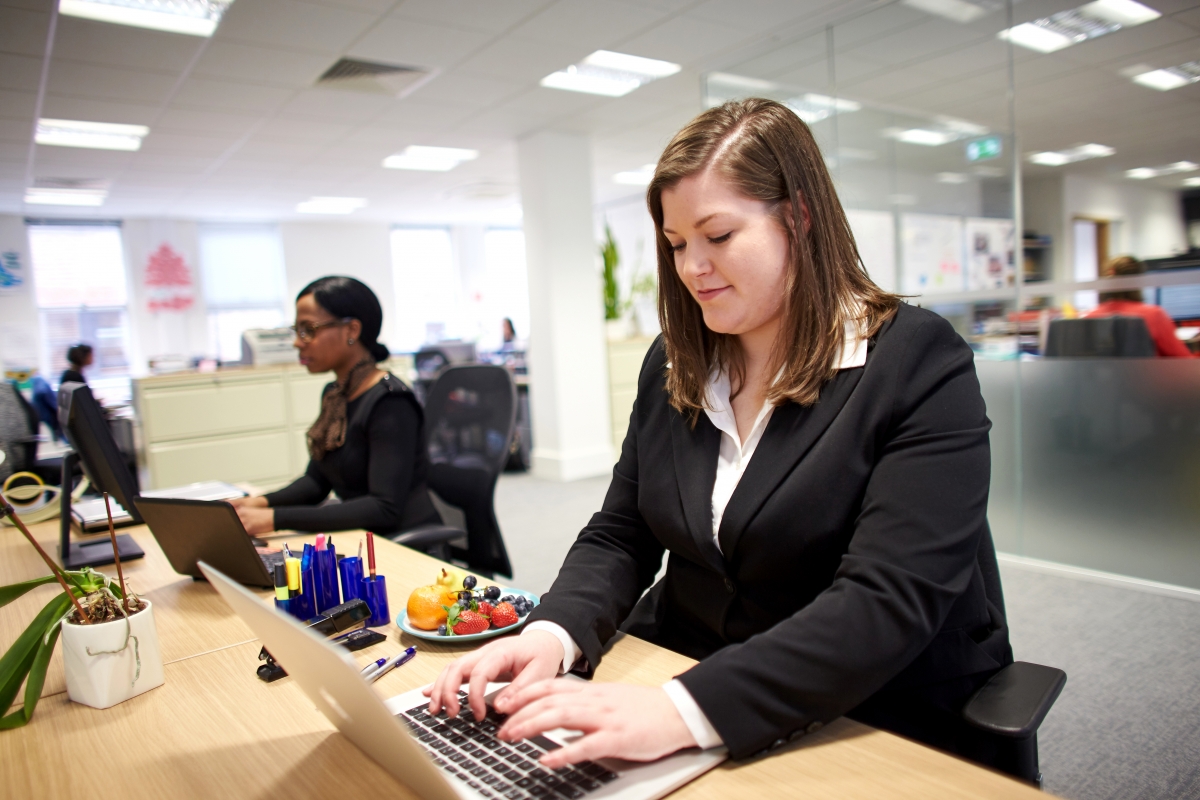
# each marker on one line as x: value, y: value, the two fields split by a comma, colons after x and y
x: 368, y: 443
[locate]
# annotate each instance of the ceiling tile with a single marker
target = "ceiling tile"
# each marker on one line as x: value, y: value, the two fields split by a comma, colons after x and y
x: 419, y: 44
x: 757, y: 15
x: 75, y: 79
x: 1139, y: 41
x: 487, y: 16
x: 523, y: 61
x: 20, y: 73
x: 242, y: 62
x: 591, y: 25
x: 333, y: 104
x: 17, y: 105
x: 183, y: 144
x: 466, y: 89
x: 16, y: 130
x: 192, y: 122
x: 123, y: 46
x: 294, y: 24
x: 682, y: 40
x: 230, y: 95
x: 303, y: 130
x: 23, y: 32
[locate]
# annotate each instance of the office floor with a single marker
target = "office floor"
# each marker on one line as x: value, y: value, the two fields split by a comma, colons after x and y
x: 1128, y: 723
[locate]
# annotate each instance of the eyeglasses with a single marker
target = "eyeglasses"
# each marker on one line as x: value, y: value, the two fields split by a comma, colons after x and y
x: 305, y: 331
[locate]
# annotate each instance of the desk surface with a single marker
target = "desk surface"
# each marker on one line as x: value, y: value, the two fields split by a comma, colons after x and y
x: 214, y: 729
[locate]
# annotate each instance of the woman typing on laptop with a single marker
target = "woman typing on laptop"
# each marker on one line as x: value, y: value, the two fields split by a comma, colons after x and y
x: 368, y: 444
x: 812, y: 456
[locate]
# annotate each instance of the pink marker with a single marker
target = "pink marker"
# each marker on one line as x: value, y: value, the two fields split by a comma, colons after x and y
x: 321, y: 542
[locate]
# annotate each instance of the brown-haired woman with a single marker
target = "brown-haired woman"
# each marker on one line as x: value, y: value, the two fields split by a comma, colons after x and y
x: 1129, y: 303
x: 812, y: 453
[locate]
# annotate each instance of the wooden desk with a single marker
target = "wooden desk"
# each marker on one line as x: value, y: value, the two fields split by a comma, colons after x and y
x: 213, y: 729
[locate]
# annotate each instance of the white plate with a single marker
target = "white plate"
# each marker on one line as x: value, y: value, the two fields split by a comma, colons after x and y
x: 402, y: 622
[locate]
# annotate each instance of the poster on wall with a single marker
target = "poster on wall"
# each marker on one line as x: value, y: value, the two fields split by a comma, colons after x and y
x: 12, y: 271
x: 932, y: 253
x: 990, y: 255
x: 875, y: 236
x: 168, y: 281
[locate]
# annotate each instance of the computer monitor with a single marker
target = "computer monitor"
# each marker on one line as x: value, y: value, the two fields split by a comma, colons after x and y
x: 87, y: 431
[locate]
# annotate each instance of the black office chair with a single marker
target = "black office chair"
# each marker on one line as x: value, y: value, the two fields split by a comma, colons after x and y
x: 25, y: 445
x: 1010, y: 707
x: 1100, y: 337
x: 470, y: 415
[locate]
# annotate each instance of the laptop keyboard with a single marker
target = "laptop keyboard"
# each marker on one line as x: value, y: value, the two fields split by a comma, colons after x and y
x: 469, y: 750
x: 271, y: 559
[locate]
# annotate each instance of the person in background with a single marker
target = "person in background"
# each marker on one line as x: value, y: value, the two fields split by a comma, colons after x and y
x: 368, y: 444
x: 509, y: 334
x: 1129, y: 304
x: 79, y: 356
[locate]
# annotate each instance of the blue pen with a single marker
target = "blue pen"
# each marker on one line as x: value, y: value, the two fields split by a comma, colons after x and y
x: 374, y: 665
x: 392, y: 663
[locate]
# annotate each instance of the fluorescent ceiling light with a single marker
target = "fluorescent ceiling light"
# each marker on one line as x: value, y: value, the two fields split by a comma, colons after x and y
x: 813, y: 108
x: 1170, y: 78
x: 742, y: 82
x: 922, y: 136
x: 1144, y: 173
x: 1191, y: 181
x: 1076, y: 25
x: 1083, y: 152
x: 609, y: 74
x: 65, y: 197
x: 951, y: 177
x: 97, y: 135
x: 635, y: 177
x: 430, y: 159
x: 190, y: 17
x: 331, y: 205
x: 956, y: 10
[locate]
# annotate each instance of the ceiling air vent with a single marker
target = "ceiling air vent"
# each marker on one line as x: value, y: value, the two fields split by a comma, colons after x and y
x: 372, y: 77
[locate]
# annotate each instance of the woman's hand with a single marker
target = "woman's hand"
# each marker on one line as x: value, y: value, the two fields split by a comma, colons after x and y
x: 257, y: 520
x: 248, y: 502
x: 526, y: 659
x: 638, y: 723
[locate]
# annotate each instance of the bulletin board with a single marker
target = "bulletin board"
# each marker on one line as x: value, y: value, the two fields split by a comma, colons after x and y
x: 932, y: 253
x: 990, y: 256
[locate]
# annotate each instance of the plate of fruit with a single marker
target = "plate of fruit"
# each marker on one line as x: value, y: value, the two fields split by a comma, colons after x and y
x: 458, y: 607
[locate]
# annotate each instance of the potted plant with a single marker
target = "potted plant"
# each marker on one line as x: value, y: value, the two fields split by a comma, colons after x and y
x: 617, y: 327
x: 110, y: 644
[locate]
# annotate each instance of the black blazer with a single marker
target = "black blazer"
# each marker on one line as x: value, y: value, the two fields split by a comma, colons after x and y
x: 853, y: 551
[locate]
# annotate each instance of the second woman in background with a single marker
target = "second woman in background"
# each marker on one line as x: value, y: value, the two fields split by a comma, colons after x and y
x: 368, y: 444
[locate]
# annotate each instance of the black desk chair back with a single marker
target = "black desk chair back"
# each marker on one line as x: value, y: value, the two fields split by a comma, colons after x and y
x: 470, y: 416
x: 1010, y: 707
x: 1100, y: 337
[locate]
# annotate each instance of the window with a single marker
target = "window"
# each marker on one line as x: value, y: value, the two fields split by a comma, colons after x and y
x: 506, y: 286
x: 428, y: 290
x: 242, y: 272
x: 79, y: 272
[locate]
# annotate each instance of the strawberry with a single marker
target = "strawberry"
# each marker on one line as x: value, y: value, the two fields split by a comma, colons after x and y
x: 485, y: 608
x: 504, y: 615
x: 469, y: 622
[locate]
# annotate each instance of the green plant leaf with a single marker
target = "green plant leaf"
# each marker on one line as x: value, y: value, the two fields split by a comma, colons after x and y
x: 15, y: 590
x: 16, y: 663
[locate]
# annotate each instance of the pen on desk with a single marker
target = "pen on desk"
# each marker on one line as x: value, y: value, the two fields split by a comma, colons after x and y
x: 281, y: 582
x: 360, y: 549
x: 374, y: 665
x: 393, y: 662
x: 371, y: 553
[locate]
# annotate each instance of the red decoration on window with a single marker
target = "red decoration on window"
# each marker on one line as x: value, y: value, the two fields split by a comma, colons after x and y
x: 168, y: 281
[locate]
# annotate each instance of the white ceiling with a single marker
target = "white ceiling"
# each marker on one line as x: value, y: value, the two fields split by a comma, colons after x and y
x: 239, y: 132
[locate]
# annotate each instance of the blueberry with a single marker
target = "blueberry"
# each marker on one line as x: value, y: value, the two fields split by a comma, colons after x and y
x: 508, y: 598
x: 491, y: 592
x: 441, y: 630
x: 469, y: 582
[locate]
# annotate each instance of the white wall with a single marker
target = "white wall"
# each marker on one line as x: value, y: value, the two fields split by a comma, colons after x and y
x: 1043, y: 212
x: 361, y: 250
x: 162, y: 331
x: 1150, y: 220
x: 20, y: 333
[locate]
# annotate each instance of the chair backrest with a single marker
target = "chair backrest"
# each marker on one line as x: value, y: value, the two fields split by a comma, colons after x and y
x: 18, y: 426
x: 470, y: 416
x: 1100, y: 337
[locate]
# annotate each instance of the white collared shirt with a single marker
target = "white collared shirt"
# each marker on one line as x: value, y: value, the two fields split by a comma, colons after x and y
x: 732, y: 459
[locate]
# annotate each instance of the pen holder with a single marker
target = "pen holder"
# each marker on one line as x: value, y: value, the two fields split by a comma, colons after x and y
x: 374, y: 592
x: 301, y: 606
x: 325, y: 579
x: 350, y: 568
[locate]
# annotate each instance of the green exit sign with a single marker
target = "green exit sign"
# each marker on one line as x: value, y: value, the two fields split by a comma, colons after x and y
x: 983, y: 149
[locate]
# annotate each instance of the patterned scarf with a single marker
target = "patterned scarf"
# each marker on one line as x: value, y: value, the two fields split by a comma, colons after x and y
x: 329, y: 431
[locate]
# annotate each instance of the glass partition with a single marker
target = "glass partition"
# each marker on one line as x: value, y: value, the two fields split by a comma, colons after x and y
x: 914, y: 103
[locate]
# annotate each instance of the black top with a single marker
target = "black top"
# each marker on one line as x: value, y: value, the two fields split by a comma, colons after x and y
x: 378, y: 473
x: 855, y: 560
x: 72, y: 376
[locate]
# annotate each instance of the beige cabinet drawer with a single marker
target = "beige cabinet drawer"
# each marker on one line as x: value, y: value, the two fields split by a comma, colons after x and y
x: 304, y: 394
x: 625, y: 362
x: 255, y: 458
x: 622, y: 406
x: 213, y: 410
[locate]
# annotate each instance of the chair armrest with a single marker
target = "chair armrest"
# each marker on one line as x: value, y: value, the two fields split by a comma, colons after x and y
x: 1016, y: 699
x: 425, y: 536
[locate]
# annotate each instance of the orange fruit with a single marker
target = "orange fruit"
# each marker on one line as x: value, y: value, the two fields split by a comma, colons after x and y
x: 425, y: 606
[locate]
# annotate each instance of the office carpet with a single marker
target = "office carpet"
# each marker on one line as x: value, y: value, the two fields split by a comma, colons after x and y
x: 1128, y: 723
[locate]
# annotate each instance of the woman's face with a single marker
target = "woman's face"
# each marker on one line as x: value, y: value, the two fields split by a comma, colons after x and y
x: 730, y: 253
x: 326, y: 348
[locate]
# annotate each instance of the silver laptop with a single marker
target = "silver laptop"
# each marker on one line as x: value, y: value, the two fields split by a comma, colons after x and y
x: 439, y: 758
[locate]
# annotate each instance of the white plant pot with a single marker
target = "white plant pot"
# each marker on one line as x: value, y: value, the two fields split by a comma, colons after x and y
x: 110, y: 662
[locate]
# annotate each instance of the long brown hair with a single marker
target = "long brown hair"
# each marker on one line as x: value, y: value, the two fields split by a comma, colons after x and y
x: 769, y: 154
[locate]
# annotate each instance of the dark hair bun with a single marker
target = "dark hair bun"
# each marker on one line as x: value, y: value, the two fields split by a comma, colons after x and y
x: 346, y: 297
x: 379, y: 352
